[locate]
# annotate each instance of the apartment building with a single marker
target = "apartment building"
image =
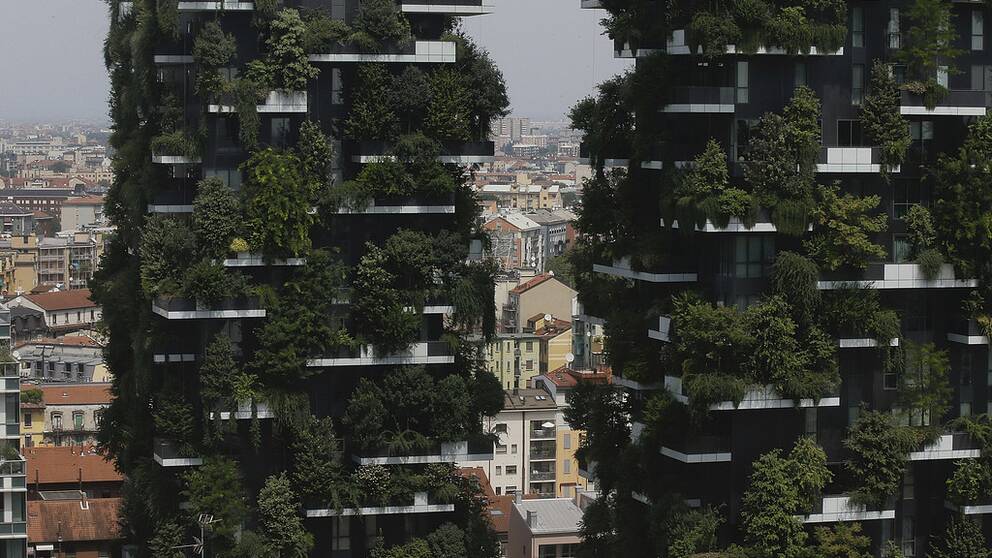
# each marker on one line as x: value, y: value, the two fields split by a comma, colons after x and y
x: 524, y: 460
x: 716, y: 104
x: 71, y: 358
x: 538, y: 296
x: 339, y: 254
x: 545, y: 528
x: 517, y: 241
x: 524, y: 196
x: 83, y: 212
x: 53, y: 312
x: 72, y: 412
x: 13, y: 522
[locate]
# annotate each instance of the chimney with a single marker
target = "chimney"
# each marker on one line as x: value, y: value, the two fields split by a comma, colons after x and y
x: 519, y: 497
x: 531, y: 518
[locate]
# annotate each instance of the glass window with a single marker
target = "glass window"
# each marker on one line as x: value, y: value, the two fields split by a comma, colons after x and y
x: 752, y: 255
x: 513, y: 448
x: 77, y: 420
x: 341, y: 533
x: 800, y: 74
x: 337, y: 88
x: 857, y: 27
x: 566, y: 466
x: 900, y: 248
x: 511, y: 490
x: 849, y: 133
x: 499, y: 469
x: 501, y: 448
x: 977, y: 30
x: 810, y: 422
x: 511, y: 469
x: 942, y: 73
x: 978, y: 72
x: 895, y: 38
x: 547, y: 551
x: 857, y: 84
x: 743, y: 92
x: 905, y: 194
x: 280, y: 131
x: 530, y: 345
x: 567, y: 440
x: 530, y: 365
x: 568, y: 550
x: 500, y: 428
x: 57, y: 421
x: 27, y: 420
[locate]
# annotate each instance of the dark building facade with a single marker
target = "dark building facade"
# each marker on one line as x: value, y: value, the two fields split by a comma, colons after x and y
x: 730, y: 159
x: 294, y: 250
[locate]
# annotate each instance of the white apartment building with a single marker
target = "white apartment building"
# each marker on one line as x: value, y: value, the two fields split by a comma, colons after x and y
x: 525, y: 456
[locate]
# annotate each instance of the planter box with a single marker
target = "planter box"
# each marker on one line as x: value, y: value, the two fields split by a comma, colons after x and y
x: 175, y: 308
x: 453, y: 7
x: 956, y: 103
x: 419, y: 52
x: 851, y: 160
x: 833, y: 509
x: 421, y: 504
x: 954, y: 445
x: 893, y: 276
x: 455, y: 152
x: 475, y: 449
x: 424, y: 352
x: 278, y: 101
x: 167, y: 454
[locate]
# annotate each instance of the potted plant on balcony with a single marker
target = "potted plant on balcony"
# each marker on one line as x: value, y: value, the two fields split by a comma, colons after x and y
x: 929, y: 50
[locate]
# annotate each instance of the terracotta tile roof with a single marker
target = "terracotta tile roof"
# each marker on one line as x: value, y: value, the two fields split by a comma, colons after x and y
x: 65, y: 340
x: 566, y: 377
x: 559, y: 327
x: 63, y: 300
x: 524, y: 287
x: 60, y: 465
x: 499, y: 509
x: 73, y: 394
x: 49, y: 520
x: 85, y: 200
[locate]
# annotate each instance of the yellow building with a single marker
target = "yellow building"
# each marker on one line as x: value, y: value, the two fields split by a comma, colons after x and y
x: 501, y: 357
x: 32, y: 416
x: 558, y: 383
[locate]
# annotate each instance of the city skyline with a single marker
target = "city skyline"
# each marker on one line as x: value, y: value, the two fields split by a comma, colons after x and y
x: 550, y: 34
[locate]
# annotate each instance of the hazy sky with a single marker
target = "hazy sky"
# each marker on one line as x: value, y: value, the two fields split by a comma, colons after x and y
x: 51, y: 61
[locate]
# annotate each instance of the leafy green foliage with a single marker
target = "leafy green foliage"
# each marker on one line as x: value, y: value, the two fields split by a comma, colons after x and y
x: 279, y: 520
x: 879, y: 447
x: 409, y: 400
x: 413, y: 93
x: 287, y: 59
x: 176, y: 143
x: 884, y: 125
x: 168, y: 535
x: 318, y: 474
x: 970, y: 482
x: 447, y: 541
x: 448, y: 107
x: 924, y: 389
x: 173, y: 418
x: 322, y: 32
x: 963, y: 538
x: 693, y: 532
x: 602, y: 412
x: 216, y: 218
x: 483, y: 80
x: 32, y: 395
x: 216, y: 488
x: 780, y: 488
x: 843, y: 228
x: 208, y: 283
x: 213, y: 49
x: 928, y: 45
x: 703, y: 193
x: 277, y: 204
x: 605, y: 120
x: 842, y: 541
x: 379, y: 23
x: 372, y: 116
x: 794, y: 278
x: 316, y: 155
x: 304, y: 322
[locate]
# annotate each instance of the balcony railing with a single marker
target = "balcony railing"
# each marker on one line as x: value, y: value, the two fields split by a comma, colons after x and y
x: 537, y: 476
x: 541, y: 452
x: 542, y: 433
x: 168, y: 453
x: 956, y: 102
x: 475, y: 448
x: 702, y: 95
x: 422, y: 503
x: 177, y: 308
x: 451, y: 151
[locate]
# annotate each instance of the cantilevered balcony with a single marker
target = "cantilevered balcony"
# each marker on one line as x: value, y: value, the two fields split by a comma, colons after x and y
x: 587, y: 469
x: 954, y: 445
x: 762, y: 224
x: 245, y: 412
x: 167, y: 454
x: 756, y: 398
x: 479, y: 448
x: 967, y: 332
x: 424, y: 352
x: 12, y: 475
x: 172, y: 201
x: 421, y: 504
x: 165, y: 159
x: 699, y: 449
x: 980, y: 507
x: 664, y: 331
x: 591, y: 4
x: 175, y: 308
x: 246, y: 259
x: 454, y: 152
x: 276, y: 102
x: 853, y: 342
x: 701, y: 99
x: 448, y: 7
x: 893, y: 276
x: 406, y: 205
x: 837, y: 509
x: 622, y: 268
x: 851, y: 160
x: 418, y: 52
x: 615, y: 156
x: 955, y: 103
x: 217, y: 6
x: 677, y: 45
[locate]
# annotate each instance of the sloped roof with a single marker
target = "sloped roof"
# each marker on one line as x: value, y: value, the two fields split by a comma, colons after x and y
x: 50, y: 519
x: 62, y: 300
x: 85, y: 200
x: 74, y: 394
x: 551, y: 515
x: 531, y: 283
x: 499, y: 506
x: 60, y: 465
x: 564, y: 376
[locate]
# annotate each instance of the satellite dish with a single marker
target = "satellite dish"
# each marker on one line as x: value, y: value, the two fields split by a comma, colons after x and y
x: 569, y: 358
x: 547, y: 317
